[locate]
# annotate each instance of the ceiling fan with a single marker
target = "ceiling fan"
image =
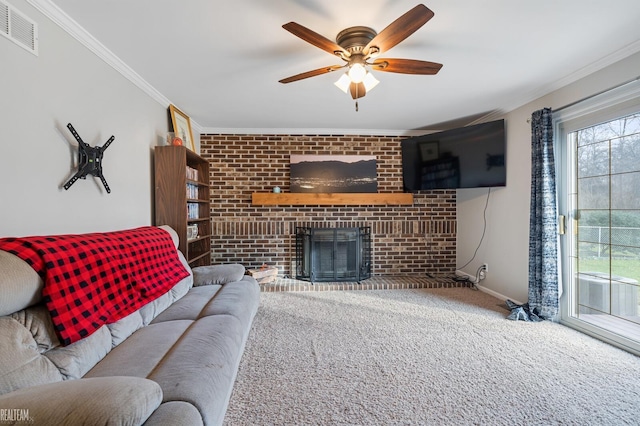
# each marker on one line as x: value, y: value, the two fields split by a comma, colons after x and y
x: 359, y: 47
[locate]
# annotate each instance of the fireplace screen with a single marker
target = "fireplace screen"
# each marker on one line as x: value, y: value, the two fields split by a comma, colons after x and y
x: 333, y: 254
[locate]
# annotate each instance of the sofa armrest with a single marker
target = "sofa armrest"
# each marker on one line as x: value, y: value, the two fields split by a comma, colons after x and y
x: 102, y: 400
x: 217, y: 274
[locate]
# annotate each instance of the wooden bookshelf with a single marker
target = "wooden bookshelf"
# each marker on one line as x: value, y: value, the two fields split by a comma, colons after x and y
x: 182, y: 200
x: 331, y: 199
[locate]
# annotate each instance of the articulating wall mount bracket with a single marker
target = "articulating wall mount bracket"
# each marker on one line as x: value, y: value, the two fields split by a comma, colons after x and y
x: 89, y: 160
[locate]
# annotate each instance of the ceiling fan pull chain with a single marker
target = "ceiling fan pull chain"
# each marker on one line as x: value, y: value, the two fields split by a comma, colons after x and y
x: 356, y: 106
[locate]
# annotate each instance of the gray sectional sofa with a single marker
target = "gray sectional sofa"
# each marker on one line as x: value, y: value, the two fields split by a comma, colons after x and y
x: 172, y: 362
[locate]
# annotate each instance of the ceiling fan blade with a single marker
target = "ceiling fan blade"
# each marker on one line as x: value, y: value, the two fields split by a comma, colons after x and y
x: 313, y: 73
x: 316, y: 39
x: 406, y: 66
x: 357, y: 90
x: 399, y: 29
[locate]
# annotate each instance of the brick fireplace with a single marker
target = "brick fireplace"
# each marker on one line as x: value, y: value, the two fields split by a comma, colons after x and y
x: 415, y: 239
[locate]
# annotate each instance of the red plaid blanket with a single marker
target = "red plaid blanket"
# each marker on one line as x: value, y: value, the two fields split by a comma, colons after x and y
x: 96, y: 279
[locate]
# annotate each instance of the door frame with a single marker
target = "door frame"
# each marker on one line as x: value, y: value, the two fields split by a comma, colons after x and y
x: 618, y: 102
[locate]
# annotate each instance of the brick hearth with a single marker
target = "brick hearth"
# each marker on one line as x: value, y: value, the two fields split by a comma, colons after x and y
x: 410, y: 240
x: 373, y: 283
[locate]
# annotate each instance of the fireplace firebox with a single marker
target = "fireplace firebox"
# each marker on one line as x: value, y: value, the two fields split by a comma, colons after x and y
x: 333, y: 254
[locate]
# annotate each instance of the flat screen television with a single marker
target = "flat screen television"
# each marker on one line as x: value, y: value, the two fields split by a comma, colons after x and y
x: 466, y: 157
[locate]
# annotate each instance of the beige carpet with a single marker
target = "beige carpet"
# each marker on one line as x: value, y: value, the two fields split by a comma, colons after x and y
x: 424, y: 357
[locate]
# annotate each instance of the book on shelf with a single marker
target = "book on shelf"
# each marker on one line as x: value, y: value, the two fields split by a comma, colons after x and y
x: 192, y: 191
x: 192, y: 174
x: 193, y: 211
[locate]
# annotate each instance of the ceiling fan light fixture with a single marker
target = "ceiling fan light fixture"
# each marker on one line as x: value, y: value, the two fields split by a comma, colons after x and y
x: 357, y: 45
x: 370, y: 81
x: 343, y: 83
x: 357, y: 73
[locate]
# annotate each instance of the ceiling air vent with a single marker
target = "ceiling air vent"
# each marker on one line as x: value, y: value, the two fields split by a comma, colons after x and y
x: 4, y: 19
x: 18, y: 28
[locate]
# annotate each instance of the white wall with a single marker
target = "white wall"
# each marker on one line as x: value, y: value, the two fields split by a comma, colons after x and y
x: 506, y: 244
x: 39, y: 96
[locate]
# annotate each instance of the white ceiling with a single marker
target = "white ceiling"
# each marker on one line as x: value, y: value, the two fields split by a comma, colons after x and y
x: 220, y: 62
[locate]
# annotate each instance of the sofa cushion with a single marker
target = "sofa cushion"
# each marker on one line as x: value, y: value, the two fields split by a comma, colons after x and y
x: 190, y: 306
x: 20, y: 284
x: 37, y: 320
x: 239, y: 299
x: 21, y: 361
x: 75, y: 360
x: 217, y: 274
x: 152, y: 309
x: 175, y: 413
x: 124, y: 328
x: 141, y: 353
x: 202, y: 367
x: 100, y: 401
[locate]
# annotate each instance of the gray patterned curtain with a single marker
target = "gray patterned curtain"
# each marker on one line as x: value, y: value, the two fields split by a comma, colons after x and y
x: 543, y: 233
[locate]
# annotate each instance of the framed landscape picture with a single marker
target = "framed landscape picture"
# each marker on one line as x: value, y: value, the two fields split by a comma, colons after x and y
x: 182, y: 127
x: 333, y: 173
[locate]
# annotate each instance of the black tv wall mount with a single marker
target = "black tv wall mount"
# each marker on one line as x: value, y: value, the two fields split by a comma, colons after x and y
x: 89, y: 160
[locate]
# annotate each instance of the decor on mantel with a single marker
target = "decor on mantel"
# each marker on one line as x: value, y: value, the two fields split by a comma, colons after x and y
x: 331, y: 199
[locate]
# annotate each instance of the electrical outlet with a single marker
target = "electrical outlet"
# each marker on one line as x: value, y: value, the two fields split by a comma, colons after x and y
x: 482, y: 273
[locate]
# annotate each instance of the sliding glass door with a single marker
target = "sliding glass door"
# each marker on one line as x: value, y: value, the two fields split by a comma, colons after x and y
x: 600, y: 201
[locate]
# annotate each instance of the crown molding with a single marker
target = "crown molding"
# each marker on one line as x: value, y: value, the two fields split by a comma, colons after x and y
x: 75, y: 30
x: 598, y: 65
x: 313, y: 131
x: 611, y: 59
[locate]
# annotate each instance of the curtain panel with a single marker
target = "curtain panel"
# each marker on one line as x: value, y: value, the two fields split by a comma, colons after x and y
x: 543, y: 232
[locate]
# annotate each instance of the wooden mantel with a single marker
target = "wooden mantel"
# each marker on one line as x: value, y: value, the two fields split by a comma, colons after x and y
x: 331, y: 199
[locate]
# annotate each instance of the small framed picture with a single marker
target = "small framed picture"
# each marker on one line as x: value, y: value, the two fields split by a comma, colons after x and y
x: 182, y: 127
x: 429, y: 151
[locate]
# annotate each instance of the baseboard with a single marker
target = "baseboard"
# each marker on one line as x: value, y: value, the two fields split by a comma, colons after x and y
x: 496, y: 294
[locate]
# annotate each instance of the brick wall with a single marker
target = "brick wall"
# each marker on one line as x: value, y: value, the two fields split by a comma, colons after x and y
x: 407, y: 240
